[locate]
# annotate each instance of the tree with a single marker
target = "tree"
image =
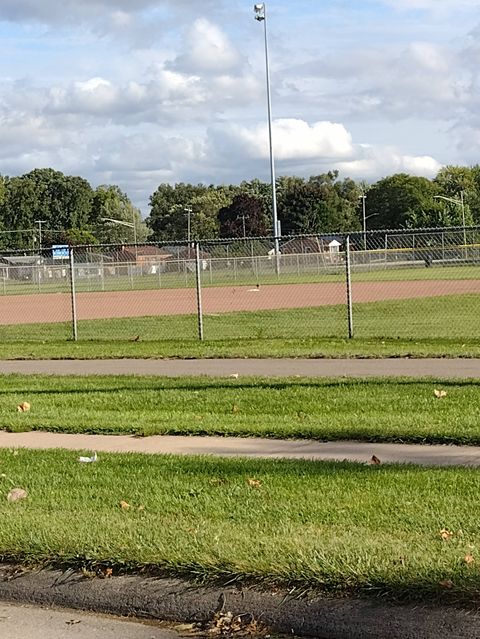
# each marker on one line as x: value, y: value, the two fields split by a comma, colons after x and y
x: 168, y: 217
x: 320, y: 205
x: 245, y: 213
x: 401, y: 201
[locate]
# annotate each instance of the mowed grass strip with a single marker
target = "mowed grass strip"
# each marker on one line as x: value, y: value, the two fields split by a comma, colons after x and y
x: 399, y: 410
x: 311, y: 348
x: 332, y: 527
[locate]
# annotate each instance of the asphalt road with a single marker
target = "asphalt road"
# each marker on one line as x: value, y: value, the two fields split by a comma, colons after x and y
x: 28, y: 622
x: 438, y: 368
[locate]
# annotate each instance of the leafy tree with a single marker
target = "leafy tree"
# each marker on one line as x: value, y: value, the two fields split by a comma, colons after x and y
x: 245, y: 212
x: 401, y: 201
x: 168, y: 217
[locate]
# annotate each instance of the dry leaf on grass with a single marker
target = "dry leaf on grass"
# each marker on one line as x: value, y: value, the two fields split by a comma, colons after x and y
x: 446, y: 534
x: 17, y: 494
x: 124, y: 505
x: 235, y: 408
x: 440, y: 393
x: 447, y: 584
x: 254, y: 483
x: 375, y: 461
x: 23, y: 407
x: 469, y: 560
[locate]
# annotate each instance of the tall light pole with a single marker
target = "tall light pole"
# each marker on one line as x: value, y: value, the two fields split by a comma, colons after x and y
x: 40, y: 222
x: 261, y: 15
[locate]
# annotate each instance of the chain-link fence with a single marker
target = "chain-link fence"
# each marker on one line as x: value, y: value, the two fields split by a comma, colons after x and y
x: 415, y: 284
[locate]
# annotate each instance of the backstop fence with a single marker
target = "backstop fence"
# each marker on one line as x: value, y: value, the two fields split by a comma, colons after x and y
x: 421, y: 284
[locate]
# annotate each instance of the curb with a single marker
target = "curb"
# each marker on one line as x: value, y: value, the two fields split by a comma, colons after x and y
x: 183, y: 602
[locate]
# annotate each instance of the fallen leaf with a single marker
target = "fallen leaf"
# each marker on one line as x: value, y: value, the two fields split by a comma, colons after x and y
x: 375, y: 461
x: 440, y: 393
x: 447, y: 584
x: 469, y: 560
x: 141, y: 508
x: 124, y: 505
x: 254, y: 483
x: 235, y: 408
x: 16, y: 494
x: 108, y: 572
x: 446, y: 534
x: 23, y: 407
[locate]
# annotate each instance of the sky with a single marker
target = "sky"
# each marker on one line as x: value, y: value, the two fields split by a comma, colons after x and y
x: 136, y: 93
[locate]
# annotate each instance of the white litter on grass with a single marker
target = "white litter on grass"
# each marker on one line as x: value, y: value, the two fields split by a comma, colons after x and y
x: 88, y: 460
x: 234, y: 376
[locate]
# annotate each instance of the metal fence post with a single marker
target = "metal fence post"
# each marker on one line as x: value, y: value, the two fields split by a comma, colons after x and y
x: 349, y: 287
x: 199, y: 291
x: 73, y: 294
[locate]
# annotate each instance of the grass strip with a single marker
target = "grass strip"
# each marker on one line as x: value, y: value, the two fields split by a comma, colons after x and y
x: 381, y: 410
x: 331, y: 348
x: 332, y: 527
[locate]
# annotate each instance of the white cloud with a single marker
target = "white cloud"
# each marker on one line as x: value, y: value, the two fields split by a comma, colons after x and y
x: 209, y: 50
x: 293, y: 140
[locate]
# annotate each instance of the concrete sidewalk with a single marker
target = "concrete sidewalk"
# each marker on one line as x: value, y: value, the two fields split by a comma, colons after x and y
x: 402, y: 367
x: 32, y: 622
x: 249, y: 447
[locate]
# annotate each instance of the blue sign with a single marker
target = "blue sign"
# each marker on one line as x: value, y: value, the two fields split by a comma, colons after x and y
x: 60, y: 251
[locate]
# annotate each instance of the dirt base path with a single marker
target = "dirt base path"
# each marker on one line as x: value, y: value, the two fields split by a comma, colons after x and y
x: 56, y: 307
x: 436, y: 368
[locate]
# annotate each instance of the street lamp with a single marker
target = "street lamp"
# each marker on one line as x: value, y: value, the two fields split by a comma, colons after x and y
x: 460, y: 202
x: 131, y: 225
x: 363, y: 197
x: 261, y: 15
x: 40, y: 222
x: 188, y: 213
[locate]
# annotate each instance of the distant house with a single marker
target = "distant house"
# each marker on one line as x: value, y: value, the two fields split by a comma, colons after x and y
x: 302, y: 245
x: 145, y: 257
x: 185, y: 258
x: 20, y: 267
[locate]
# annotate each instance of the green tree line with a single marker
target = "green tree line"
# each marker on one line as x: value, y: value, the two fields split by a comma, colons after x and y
x: 67, y: 210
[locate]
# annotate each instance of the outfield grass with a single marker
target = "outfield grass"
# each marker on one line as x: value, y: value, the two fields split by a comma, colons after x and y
x: 335, y: 527
x: 243, y: 276
x: 399, y: 410
x: 431, y: 327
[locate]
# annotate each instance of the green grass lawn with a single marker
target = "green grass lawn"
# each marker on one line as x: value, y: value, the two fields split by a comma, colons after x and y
x: 437, y: 326
x: 400, y: 410
x: 332, y: 527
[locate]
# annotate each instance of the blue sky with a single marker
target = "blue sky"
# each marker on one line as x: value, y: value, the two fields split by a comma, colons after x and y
x: 155, y: 91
